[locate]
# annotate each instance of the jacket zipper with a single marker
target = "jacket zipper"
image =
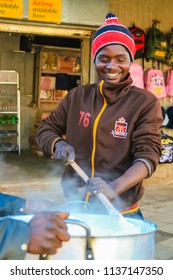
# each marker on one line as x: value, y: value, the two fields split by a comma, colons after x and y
x: 95, y: 129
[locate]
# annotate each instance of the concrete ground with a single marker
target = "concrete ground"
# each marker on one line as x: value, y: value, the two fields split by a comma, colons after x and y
x: 29, y: 175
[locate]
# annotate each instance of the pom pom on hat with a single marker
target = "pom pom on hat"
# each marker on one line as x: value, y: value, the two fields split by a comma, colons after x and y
x: 112, y: 32
x: 111, y: 18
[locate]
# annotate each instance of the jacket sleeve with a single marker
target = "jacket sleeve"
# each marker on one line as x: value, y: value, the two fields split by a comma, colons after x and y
x: 147, y: 135
x: 14, y: 238
x: 11, y: 205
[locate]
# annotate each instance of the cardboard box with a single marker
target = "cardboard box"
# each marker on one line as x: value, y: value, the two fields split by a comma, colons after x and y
x: 58, y: 94
x: 53, y: 61
x: 45, y: 61
x: 66, y: 63
x: 46, y: 94
x: 48, y: 82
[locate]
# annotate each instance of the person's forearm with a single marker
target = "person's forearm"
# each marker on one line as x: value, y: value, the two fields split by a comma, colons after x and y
x: 130, y: 178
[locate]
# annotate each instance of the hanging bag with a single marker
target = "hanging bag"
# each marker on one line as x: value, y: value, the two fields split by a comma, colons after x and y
x: 155, y: 83
x: 137, y: 75
x: 169, y: 84
x: 169, y: 56
x: 166, y: 155
x: 156, y: 45
x: 139, y: 38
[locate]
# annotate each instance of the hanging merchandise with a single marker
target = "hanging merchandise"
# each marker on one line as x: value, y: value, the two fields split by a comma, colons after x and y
x: 139, y: 38
x: 169, y: 84
x: 155, y: 83
x: 137, y: 74
x: 165, y: 117
x: 169, y: 57
x: 166, y: 155
x: 156, y: 44
x: 169, y: 113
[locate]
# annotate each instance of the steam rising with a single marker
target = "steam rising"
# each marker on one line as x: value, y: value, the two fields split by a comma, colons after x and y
x: 19, y: 174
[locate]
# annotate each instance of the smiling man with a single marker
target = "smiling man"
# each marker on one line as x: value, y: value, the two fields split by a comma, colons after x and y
x: 112, y: 128
x: 112, y: 64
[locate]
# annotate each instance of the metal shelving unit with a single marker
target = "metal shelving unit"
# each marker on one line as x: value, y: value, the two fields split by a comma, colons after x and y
x: 54, y: 61
x: 9, y: 111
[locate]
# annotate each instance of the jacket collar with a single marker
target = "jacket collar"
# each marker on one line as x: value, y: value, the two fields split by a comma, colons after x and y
x: 113, y: 93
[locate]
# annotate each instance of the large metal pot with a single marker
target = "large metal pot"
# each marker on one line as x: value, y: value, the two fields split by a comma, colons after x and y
x: 101, y: 237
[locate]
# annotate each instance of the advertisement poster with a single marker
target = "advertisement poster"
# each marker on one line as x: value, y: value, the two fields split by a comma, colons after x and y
x: 11, y: 9
x: 45, y: 10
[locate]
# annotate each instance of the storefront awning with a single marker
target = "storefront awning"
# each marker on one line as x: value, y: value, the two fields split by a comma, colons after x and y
x: 47, y: 30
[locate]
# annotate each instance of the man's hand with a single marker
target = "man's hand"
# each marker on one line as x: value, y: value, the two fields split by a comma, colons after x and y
x: 98, y: 185
x: 64, y: 151
x: 47, y: 232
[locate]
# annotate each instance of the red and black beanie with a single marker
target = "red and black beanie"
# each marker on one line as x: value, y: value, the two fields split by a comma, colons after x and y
x: 112, y: 32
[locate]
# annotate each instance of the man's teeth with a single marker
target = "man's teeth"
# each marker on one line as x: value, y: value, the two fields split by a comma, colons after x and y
x: 113, y: 75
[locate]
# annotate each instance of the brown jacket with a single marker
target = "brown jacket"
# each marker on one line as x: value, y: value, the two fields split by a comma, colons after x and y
x: 108, y: 133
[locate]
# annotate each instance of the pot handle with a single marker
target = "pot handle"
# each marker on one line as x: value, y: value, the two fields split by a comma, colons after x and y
x: 89, y: 252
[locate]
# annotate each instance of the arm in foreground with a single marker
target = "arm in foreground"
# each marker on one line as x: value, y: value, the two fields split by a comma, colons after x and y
x: 44, y: 234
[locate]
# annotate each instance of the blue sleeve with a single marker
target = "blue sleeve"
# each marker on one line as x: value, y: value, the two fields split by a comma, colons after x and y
x: 11, y: 205
x: 13, y: 235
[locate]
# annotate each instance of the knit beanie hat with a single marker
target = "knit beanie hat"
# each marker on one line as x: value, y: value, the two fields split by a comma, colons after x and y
x: 112, y: 32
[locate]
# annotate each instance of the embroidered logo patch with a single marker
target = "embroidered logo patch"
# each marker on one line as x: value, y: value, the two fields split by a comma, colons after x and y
x: 120, y: 129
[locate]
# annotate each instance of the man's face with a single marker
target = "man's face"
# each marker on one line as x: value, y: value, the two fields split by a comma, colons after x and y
x: 112, y: 63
